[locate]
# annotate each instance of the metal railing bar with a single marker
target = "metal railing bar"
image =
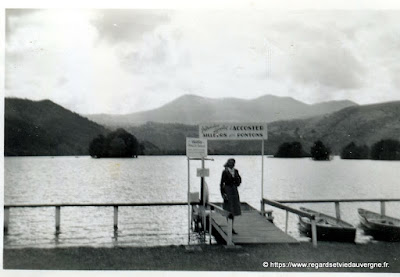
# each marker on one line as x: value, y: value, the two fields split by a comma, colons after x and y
x: 338, y: 200
x: 287, y: 208
x: 100, y: 204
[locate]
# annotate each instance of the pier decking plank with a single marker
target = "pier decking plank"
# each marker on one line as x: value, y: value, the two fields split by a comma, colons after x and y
x: 252, y: 228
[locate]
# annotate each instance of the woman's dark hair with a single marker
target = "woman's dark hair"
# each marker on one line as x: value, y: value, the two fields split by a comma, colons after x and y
x: 226, y: 164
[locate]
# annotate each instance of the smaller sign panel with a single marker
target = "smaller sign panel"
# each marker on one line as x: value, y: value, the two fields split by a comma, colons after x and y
x: 196, y: 148
x: 203, y: 172
x: 194, y: 197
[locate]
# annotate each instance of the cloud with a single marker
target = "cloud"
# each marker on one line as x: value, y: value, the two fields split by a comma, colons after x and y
x: 121, y: 61
x: 316, y: 52
x: 328, y: 66
x: 12, y: 14
x: 128, y: 25
x: 153, y: 52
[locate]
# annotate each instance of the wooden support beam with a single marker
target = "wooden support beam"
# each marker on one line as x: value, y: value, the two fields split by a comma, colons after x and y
x: 230, y: 227
x: 115, y: 217
x: 58, y: 218
x: 314, y: 232
x: 6, y: 219
x: 287, y: 221
x: 210, y: 226
x: 383, y: 208
x: 337, y: 209
x: 262, y: 206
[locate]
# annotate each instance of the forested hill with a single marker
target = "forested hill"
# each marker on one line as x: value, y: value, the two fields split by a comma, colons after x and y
x: 361, y: 124
x: 43, y: 128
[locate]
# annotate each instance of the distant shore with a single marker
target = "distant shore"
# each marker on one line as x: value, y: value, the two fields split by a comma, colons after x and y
x: 259, y: 258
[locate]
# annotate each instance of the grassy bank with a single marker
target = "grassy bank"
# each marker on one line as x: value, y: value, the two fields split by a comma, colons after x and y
x: 206, y: 257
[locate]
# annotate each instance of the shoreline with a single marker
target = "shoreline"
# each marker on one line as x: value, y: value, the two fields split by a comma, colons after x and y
x: 254, y: 258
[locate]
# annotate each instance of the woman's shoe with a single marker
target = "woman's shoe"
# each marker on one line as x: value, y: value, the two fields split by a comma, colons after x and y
x: 234, y: 232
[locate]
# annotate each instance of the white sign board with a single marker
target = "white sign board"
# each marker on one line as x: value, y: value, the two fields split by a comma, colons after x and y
x: 233, y: 131
x: 203, y: 172
x: 196, y: 148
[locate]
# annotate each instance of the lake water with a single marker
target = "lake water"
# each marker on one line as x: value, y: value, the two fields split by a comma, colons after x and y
x: 47, y: 180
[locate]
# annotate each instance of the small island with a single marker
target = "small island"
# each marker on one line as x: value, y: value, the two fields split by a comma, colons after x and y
x: 117, y: 144
x: 320, y: 152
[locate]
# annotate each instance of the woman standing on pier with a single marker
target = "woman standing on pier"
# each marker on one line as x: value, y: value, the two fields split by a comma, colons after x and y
x: 230, y: 180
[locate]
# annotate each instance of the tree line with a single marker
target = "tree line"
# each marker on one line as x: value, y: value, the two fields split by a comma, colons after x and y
x: 385, y: 149
x: 295, y: 149
x: 120, y: 143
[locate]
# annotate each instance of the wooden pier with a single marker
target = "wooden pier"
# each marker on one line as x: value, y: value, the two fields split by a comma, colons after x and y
x: 251, y: 227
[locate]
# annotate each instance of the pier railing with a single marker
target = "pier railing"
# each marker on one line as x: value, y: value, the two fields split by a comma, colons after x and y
x: 220, y: 210
x: 280, y: 204
x: 288, y: 209
x: 338, y: 201
x: 58, y: 209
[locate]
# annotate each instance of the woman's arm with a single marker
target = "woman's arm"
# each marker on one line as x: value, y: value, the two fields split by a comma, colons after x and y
x: 239, y: 179
x: 222, y: 186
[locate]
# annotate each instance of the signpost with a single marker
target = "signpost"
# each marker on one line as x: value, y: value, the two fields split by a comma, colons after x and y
x: 203, y: 172
x: 196, y: 148
x: 238, y: 131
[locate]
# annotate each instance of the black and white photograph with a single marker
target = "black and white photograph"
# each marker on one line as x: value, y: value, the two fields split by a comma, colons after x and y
x: 243, y: 139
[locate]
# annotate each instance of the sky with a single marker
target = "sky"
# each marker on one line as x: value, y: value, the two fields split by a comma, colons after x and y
x: 129, y: 60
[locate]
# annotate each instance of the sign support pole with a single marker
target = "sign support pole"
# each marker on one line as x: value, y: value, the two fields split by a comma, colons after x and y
x: 188, y: 195
x: 262, y: 176
x: 203, y: 198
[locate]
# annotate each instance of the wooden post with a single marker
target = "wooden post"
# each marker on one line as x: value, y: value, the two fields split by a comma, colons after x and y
x: 287, y: 220
x: 115, y: 217
x: 337, y: 208
x: 230, y: 226
x: 383, y: 208
x: 262, y: 172
x: 210, y: 226
x: 6, y: 219
x: 262, y: 209
x: 58, y: 218
x: 314, y: 232
x: 189, y: 213
x: 203, y: 197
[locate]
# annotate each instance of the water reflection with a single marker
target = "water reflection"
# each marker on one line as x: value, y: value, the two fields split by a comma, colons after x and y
x: 115, y: 237
x: 57, y: 238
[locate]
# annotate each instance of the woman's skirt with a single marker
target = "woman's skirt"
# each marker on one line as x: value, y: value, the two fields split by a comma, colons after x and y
x: 232, y: 204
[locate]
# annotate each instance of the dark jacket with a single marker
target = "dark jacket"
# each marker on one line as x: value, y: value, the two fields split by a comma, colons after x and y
x: 228, y: 180
x: 228, y: 188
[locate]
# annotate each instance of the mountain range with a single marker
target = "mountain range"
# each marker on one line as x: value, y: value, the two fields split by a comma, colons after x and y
x: 192, y: 109
x: 45, y: 128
